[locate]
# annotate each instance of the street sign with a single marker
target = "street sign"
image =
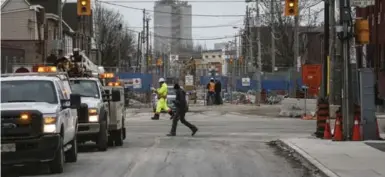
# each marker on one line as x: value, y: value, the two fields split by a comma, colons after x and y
x: 189, y: 80
x: 362, y: 3
x: 245, y: 82
x: 127, y: 82
x: 137, y: 83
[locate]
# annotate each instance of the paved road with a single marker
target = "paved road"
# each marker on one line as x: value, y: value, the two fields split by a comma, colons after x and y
x: 228, y: 145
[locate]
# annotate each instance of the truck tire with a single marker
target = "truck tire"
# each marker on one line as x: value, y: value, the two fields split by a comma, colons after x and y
x: 72, y: 154
x: 102, y: 140
x: 123, y: 128
x: 57, y: 164
x: 118, y: 137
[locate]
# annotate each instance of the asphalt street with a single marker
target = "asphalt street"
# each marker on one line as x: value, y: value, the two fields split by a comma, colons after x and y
x: 228, y: 144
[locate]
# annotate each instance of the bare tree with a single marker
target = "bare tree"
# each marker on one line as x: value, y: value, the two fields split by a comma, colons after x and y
x: 284, y: 28
x: 111, y: 35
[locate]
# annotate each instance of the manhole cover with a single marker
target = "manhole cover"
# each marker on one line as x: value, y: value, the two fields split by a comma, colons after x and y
x: 379, y: 146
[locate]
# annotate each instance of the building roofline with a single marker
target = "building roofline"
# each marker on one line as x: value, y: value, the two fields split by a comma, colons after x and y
x: 7, y: 1
x: 56, y: 17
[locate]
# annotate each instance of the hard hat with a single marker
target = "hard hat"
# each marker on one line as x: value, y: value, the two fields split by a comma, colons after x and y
x: 211, y: 78
x: 161, y: 79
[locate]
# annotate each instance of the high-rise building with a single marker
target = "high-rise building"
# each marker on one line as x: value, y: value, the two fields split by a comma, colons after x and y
x: 172, y: 27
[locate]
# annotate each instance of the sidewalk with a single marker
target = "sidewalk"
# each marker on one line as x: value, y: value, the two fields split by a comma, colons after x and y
x: 341, y: 159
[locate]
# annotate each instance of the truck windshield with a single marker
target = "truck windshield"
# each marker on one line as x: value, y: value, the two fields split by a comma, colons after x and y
x: 28, y: 91
x: 86, y: 88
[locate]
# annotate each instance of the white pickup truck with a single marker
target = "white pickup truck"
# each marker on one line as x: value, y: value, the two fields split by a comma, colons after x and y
x: 38, y: 120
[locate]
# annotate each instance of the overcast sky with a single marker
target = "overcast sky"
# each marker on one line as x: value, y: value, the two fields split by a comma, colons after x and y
x: 134, y: 17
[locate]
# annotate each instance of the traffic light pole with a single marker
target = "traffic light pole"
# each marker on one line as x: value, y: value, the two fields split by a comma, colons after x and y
x: 347, y: 105
x: 324, y: 89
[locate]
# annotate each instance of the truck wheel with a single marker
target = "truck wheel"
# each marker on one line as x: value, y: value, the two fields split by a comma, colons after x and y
x: 72, y: 154
x: 124, y: 133
x: 118, y: 137
x: 102, y: 141
x: 110, y: 140
x: 123, y: 128
x: 57, y: 164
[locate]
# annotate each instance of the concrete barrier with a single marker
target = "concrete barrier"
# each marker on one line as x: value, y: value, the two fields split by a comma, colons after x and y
x: 293, y: 107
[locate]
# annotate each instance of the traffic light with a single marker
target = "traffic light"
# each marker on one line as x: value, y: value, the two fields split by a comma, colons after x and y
x: 362, y: 31
x: 291, y: 7
x: 84, y: 7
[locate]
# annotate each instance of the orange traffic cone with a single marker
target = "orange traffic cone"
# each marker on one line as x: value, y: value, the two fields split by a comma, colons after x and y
x: 356, y: 129
x: 327, y: 134
x: 338, y: 129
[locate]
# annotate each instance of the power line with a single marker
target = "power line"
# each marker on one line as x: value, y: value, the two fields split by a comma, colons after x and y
x: 193, y: 1
x: 210, y: 26
x: 201, y: 15
x: 197, y: 39
x: 197, y: 15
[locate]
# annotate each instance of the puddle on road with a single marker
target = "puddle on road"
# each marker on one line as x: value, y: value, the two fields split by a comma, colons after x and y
x: 379, y: 146
x: 305, y: 170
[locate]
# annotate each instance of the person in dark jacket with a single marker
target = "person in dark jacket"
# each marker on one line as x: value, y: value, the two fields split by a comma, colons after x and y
x: 218, y: 89
x: 181, y: 108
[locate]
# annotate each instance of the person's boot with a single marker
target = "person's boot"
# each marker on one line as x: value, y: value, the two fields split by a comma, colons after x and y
x: 171, y: 134
x: 156, y: 117
x: 194, y: 130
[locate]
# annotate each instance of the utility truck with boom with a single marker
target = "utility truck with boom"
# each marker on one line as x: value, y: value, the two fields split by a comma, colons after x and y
x: 85, y: 81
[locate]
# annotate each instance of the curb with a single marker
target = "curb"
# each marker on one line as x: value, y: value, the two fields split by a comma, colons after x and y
x: 305, y: 157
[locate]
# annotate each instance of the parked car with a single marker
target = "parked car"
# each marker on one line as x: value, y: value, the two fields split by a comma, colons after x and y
x: 171, y: 96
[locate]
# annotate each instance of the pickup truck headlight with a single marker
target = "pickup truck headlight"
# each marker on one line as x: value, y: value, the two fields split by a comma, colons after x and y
x: 49, y: 123
x: 93, y: 115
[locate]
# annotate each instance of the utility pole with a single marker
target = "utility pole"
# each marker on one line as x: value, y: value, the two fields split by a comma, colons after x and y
x: 251, y: 37
x: 138, y: 52
x: 143, y: 61
x: 296, y: 54
x: 147, y: 45
x: 347, y: 105
x: 259, y: 60
x: 324, y: 88
x: 60, y: 36
x: 248, y: 39
x: 332, y: 51
x: 272, y: 36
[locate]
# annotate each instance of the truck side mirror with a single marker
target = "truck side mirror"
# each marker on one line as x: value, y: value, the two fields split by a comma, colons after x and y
x: 83, y: 110
x: 115, y: 95
x: 106, y: 95
x: 75, y: 100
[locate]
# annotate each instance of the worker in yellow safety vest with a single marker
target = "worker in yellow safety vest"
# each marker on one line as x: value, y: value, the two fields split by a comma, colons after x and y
x: 162, y: 100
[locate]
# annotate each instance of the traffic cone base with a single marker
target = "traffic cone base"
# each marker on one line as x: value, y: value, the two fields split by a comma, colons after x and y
x: 327, y: 134
x: 307, y: 117
x: 337, y: 130
x: 356, y: 130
